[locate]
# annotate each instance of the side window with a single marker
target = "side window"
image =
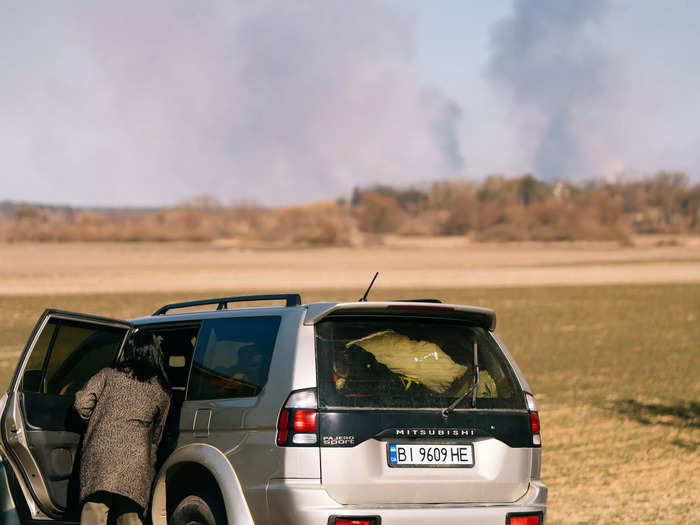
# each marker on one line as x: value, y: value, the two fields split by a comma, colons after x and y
x: 232, y: 357
x: 32, y: 380
x: 178, y: 344
x: 75, y: 351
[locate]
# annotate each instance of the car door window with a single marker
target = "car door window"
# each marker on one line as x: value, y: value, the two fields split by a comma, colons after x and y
x: 34, y: 371
x: 232, y: 357
x: 68, y: 353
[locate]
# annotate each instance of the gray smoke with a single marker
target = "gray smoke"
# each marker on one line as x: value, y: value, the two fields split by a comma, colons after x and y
x: 277, y: 102
x: 545, y: 55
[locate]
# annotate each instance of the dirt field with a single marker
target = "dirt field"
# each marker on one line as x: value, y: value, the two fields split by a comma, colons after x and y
x: 614, y: 366
x: 404, y: 263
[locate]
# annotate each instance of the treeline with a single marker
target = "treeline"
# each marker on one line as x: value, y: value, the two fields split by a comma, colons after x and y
x: 526, y: 208
x: 497, y: 209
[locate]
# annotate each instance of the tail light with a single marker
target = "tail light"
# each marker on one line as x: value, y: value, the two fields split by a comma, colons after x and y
x: 421, y: 307
x: 334, y: 520
x: 534, y: 421
x: 297, y: 424
x: 525, y: 519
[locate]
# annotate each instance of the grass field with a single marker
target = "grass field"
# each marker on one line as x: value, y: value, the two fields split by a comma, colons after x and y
x: 614, y: 368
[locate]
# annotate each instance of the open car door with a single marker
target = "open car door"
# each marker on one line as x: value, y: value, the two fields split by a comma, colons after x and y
x: 40, y: 429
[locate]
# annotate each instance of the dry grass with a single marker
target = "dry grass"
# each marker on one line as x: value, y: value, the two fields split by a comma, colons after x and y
x: 325, y: 223
x: 607, y: 466
x: 497, y: 209
x: 614, y: 367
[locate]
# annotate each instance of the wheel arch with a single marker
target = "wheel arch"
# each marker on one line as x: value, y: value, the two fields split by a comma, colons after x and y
x: 206, y: 465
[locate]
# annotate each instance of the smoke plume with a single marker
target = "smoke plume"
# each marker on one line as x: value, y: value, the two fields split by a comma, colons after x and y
x: 545, y: 55
x: 150, y: 102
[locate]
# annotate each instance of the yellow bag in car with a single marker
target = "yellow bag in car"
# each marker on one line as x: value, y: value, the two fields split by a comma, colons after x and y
x: 421, y: 361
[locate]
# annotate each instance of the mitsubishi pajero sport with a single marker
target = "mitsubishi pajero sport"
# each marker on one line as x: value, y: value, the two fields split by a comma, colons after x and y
x: 362, y: 413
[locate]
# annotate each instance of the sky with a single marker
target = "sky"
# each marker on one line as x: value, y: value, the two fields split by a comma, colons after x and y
x: 152, y: 103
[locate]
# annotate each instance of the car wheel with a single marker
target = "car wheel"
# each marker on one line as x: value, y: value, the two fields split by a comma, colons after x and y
x: 197, y: 510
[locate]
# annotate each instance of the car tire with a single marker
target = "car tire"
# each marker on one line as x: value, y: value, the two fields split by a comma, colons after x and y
x: 197, y: 510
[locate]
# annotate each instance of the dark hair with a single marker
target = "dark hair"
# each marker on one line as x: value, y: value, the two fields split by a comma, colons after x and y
x: 142, y: 358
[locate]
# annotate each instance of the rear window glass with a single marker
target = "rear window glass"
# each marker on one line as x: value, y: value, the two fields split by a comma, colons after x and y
x: 232, y: 357
x: 410, y: 363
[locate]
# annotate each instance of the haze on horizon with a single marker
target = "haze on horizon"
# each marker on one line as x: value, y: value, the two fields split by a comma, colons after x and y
x: 144, y: 104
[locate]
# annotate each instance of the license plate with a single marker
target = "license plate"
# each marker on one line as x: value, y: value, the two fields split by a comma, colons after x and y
x: 430, y: 455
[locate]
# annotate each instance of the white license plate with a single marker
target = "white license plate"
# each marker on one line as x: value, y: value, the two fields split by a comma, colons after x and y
x: 430, y: 455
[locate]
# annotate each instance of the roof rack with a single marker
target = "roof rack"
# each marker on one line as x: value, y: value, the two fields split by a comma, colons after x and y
x: 293, y: 299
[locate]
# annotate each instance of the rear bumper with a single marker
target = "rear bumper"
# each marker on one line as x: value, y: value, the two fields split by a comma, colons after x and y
x: 303, y: 501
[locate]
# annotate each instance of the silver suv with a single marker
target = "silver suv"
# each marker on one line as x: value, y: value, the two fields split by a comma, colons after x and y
x: 363, y: 413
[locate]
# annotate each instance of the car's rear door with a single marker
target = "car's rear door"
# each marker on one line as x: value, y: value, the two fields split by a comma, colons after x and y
x: 383, y: 384
x: 39, y: 428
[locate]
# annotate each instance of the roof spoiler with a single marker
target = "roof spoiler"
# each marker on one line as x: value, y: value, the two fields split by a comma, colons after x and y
x: 475, y: 315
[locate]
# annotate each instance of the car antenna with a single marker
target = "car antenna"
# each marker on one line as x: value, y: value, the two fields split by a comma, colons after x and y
x: 364, y: 297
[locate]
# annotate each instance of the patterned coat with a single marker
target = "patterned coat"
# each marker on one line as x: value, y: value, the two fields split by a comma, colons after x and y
x: 126, y: 419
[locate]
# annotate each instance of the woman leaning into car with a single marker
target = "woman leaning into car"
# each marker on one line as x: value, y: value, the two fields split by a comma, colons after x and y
x: 126, y: 407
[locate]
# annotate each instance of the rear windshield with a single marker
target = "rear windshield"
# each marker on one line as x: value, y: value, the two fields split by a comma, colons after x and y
x: 381, y: 362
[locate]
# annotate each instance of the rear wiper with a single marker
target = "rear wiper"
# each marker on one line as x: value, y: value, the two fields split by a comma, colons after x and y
x: 472, y: 390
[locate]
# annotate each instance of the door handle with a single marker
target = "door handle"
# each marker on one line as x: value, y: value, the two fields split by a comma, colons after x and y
x: 200, y: 426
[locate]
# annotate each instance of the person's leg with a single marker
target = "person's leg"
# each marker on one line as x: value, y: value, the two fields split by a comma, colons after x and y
x: 95, y: 511
x: 129, y: 518
x: 126, y: 511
